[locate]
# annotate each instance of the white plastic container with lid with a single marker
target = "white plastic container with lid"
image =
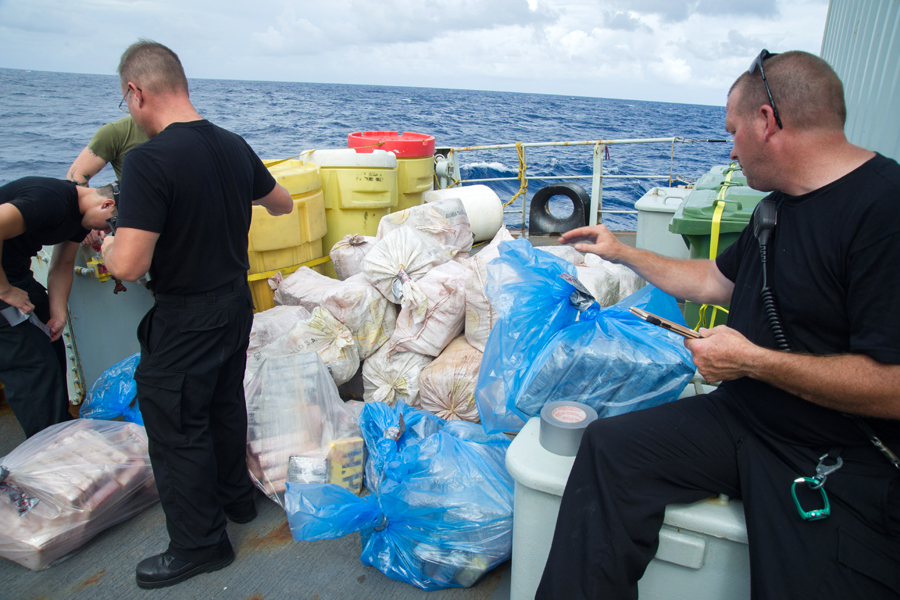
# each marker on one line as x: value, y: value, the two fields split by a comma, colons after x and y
x: 359, y: 189
x: 702, y: 555
x: 655, y: 210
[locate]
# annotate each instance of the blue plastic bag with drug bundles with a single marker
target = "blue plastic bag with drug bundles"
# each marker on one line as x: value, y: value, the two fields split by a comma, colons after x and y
x: 114, y: 394
x: 612, y: 361
x: 531, y: 291
x: 440, y: 512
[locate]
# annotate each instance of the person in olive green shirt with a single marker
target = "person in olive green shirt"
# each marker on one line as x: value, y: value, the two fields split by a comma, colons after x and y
x: 109, y: 145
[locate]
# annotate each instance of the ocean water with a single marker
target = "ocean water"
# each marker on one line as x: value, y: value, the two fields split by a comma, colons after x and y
x: 47, y: 118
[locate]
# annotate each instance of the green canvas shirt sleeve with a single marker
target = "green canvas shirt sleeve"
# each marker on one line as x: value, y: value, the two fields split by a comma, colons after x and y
x: 113, y: 141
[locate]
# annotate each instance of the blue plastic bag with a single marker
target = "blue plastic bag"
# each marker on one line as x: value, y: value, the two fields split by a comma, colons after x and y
x: 528, y: 289
x: 114, y: 394
x: 612, y: 361
x: 440, y: 514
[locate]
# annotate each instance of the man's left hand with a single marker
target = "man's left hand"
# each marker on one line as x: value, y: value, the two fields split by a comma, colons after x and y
x: 722, y: 354
x: 56, y: 328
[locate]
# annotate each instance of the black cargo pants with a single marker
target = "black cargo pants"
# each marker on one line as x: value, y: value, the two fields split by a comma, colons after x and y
x: 630, y: 467
x: 32, y: 369
x: 191, y: 397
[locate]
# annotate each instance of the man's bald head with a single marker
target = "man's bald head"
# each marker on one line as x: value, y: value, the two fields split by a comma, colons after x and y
x: 153, y: 67
x: 806, y: 90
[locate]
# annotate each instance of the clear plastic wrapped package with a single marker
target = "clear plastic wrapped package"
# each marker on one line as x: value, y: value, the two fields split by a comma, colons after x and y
x: 447, y: 385
x: 298, y: 428
x: 348, y: 253
x: 440, y: 514
x: 63, y: 486
x: 114, y: 394
x: 271, y: 324
x: 320, y: 333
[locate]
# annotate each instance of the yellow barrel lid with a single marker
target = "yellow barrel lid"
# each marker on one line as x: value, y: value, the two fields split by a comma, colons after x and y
x: 297, y: 176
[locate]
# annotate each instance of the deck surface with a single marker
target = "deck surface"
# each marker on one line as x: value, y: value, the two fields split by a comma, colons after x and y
x: 270, y: 565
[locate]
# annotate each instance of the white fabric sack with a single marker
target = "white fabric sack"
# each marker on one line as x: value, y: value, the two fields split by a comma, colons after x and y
x: 444, y: 221
x: 304, y: 287
x: 427, y: 326
x: 399, y: 260
x: 567, y: 253
x: 348, y: 253
x: 320, y: 333
x: 391, y: 378
x: 293, y: 410
x: 608, y: 282
x: 271, y: 324
x: 364, y: 310
x: 447, y: 385
x: 480, y: 316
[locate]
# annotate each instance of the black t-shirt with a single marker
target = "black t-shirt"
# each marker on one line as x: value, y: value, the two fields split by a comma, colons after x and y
x: 50, y: 209
x: 193, y: 184
x: 832, y: 267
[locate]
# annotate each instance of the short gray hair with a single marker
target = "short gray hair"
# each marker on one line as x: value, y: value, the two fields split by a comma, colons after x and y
x: 152, y: 66
x: 806, y: 90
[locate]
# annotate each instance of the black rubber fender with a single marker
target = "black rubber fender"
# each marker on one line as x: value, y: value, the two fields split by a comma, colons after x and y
x: 542, y: 222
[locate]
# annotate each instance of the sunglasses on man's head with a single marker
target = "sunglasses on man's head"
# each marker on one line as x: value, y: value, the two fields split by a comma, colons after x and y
x: 758, y: 62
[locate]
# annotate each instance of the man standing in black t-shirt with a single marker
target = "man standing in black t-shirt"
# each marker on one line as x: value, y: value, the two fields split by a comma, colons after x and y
x: 37, y: 212
x: 813, y: 387
x: 184, y: 216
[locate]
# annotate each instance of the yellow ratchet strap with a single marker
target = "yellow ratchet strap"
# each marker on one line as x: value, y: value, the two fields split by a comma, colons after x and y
x: 288, y: 270
x: 713, y: 253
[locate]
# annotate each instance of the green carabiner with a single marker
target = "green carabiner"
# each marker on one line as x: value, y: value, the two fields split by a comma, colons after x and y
x: 814, y: 484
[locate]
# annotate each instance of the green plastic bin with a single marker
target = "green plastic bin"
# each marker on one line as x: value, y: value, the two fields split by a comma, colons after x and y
x: 718, y: 175
x: 693, y: 221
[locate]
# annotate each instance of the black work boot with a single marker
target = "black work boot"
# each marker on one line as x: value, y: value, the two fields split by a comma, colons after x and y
x: 164, y: 569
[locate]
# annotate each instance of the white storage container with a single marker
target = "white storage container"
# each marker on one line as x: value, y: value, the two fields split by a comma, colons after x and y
x: 655, y: 210
x: 703, y: 552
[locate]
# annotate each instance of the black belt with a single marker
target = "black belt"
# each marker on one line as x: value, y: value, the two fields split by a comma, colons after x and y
x: 209, y: 296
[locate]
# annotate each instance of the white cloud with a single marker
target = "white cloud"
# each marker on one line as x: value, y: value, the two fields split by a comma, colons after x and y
x: 676, y: 50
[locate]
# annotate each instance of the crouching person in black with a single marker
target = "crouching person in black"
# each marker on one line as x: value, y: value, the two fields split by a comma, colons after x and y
x: 36, y: 212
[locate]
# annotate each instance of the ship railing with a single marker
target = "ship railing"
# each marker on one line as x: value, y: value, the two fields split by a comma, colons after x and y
x: 447, y: 170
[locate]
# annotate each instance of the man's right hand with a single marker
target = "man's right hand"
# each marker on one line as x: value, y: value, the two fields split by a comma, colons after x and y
x: 18, y: 298
x: 605, y: 245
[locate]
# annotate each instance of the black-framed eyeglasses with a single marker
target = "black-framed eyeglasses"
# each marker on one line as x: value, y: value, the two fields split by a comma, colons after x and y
x: 123, y: 105
x: 758, y: 62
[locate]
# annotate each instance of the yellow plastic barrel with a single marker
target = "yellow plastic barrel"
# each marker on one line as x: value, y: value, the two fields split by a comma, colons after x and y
x: 359, y: 189
x: 287, y: 242
x: 415, y: 161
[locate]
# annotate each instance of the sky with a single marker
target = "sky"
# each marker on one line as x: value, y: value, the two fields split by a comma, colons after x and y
x: 687, y: 51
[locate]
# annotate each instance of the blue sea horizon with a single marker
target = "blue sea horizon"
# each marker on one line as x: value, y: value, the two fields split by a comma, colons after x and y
x: 48, y: 118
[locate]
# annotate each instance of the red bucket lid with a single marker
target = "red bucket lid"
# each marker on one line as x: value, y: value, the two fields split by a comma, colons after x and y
x: 404, y: 145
